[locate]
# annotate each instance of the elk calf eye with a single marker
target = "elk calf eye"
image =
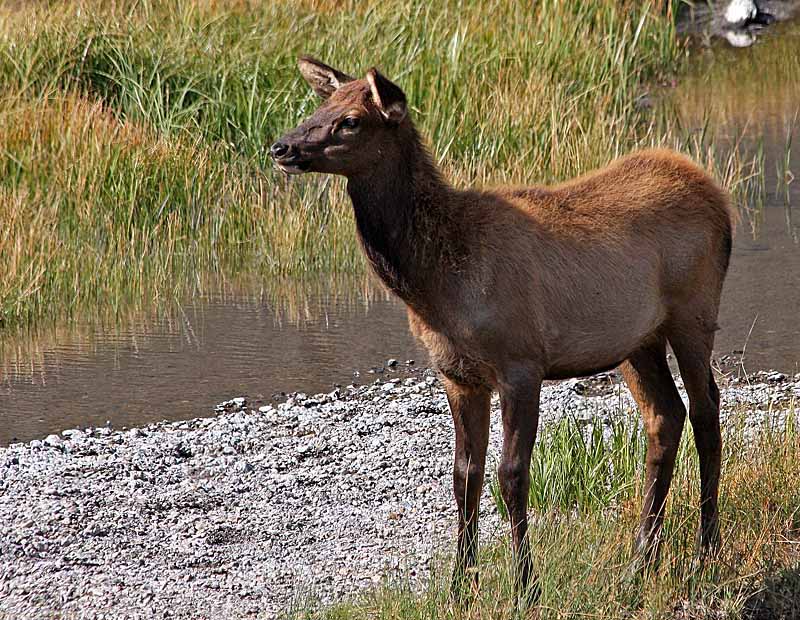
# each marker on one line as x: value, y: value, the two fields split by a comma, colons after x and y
x: 350, y: 122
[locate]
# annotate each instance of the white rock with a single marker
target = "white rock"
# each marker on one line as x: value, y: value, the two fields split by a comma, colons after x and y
x: 40, y: 545
x: 739, y: 12
x: 243, y: 467
x: 95, y: 529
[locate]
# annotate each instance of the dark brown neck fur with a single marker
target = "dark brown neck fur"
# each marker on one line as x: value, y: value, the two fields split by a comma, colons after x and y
x: 404, y: 214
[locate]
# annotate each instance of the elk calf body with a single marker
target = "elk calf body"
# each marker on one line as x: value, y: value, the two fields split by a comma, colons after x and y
x: 511, y: 286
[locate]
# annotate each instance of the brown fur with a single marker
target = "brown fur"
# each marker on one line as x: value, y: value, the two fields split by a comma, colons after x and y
x: 508, y: 287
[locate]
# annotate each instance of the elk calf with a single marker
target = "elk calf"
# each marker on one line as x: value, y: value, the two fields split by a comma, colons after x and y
x: 511, y: 286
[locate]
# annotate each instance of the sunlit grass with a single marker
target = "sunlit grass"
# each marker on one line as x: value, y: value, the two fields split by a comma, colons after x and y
x: 585, y: 470
x: 133, y: 135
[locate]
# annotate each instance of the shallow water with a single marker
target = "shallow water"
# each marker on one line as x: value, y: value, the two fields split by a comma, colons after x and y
x: 752, y: 97
x: 760, y: 311
x: 209, y: 351
x: 182, y: 363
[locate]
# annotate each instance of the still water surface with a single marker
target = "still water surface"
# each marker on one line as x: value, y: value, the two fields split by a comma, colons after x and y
x: 182, y: 362
x: 208, y: 351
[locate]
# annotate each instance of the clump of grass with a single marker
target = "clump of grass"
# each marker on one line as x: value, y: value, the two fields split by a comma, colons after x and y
x: 174, y: 178
x: 99, y: 211
x: 575, y: 467
x: 583, y: 557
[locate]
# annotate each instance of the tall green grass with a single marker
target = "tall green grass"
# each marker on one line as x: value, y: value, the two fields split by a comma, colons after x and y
x: 573, y: 468
x: 582, y: 532
x: 134, y: 134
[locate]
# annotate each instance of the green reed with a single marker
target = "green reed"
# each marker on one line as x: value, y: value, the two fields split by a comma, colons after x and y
x: 134, y: 135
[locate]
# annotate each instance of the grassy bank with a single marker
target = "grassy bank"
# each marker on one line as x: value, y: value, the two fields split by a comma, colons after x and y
x: 133, y: 134
x: 582, y: 533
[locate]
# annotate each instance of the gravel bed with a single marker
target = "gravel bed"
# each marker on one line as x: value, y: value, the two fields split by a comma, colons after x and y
x: 241, y: 514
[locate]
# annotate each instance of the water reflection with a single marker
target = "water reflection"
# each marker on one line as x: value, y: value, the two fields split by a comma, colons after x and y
x: 181, y: 363
x: 751, y: 98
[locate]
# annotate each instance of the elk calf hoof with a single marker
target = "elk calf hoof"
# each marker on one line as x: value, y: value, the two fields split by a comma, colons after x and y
x: 708, y: 544
x: 464, y: 587
x: 530, y: 595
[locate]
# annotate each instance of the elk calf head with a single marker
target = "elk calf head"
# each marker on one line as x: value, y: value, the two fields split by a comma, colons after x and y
x: 350, y: 131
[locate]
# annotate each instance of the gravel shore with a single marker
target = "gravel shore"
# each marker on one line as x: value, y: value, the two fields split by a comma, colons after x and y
x: 241, y: 514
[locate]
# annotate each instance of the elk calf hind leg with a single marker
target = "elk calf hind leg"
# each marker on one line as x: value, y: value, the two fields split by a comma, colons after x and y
x: 648, y: 376
x: 693, y: 352
x: 470, y: 408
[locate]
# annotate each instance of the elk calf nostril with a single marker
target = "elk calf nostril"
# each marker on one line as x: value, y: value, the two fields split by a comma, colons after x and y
x: 279, y: 149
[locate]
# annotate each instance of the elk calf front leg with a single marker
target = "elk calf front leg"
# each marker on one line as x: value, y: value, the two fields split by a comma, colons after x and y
x: 470, y: 409
x: 520, y: 404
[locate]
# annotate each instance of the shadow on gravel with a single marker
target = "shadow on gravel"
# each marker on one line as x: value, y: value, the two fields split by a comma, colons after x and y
x: 779, y: 599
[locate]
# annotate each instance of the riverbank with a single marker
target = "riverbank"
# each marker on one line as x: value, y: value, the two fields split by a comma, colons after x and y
x: 253, y: 510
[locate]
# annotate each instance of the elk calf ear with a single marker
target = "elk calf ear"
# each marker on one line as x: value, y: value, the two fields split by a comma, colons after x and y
x: 389, y: 99
x: 324, y: 80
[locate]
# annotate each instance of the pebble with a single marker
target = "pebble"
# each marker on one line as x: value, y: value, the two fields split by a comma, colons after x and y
x: 53, y: 440
x: 243, y: 467
x: 95, y: 529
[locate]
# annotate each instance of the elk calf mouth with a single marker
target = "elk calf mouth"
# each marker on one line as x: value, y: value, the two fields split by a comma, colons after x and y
x: 509, y: 286
x: 293, y: 167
